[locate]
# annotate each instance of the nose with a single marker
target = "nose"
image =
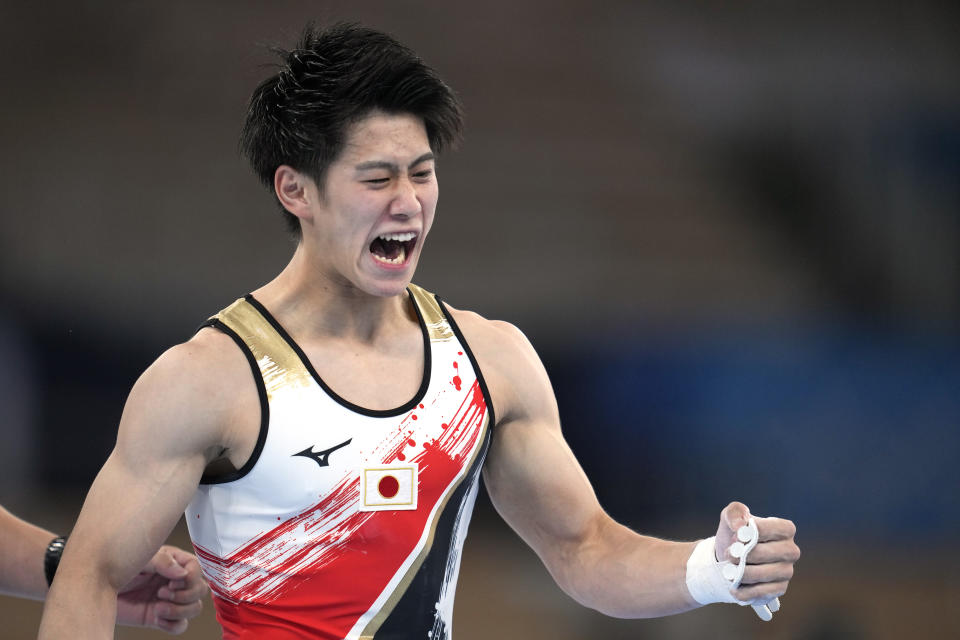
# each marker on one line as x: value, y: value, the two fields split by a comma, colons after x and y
x: 405, y: 203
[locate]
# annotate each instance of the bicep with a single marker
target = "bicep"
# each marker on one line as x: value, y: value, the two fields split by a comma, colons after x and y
x: 539, y: 488
x: 142, y: 489
x: 533, y: 477
x: 126, y: 517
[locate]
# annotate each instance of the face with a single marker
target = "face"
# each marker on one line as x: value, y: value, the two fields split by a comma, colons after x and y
x: 368, y: 227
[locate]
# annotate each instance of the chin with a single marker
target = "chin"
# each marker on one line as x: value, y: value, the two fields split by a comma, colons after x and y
x: 386, y: 283
x: 391, y: 291
x: 385, y: 288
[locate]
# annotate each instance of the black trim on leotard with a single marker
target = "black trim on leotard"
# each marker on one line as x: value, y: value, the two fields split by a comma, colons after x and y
x: 414, y: 615
x: 473, y: 360
x: 373, y: 413
x: 264, y: 408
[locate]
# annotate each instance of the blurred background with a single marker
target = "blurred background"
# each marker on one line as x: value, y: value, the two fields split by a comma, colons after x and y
x: 732, y: 231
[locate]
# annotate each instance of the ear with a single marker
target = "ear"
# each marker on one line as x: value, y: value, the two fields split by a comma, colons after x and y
x: 296, y: 191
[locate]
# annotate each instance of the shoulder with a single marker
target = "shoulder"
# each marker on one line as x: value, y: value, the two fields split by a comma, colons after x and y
x: 190, y: 392
x: 515, y: 376
x: 492, y: 339
x: 480, y: 330
x: 196, y: 367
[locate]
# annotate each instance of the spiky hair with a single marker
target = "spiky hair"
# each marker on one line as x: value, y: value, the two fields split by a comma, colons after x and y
x: 331, y: 79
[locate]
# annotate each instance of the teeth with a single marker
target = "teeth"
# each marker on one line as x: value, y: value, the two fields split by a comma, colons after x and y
x: 398, y: 260
x: 399, y: 237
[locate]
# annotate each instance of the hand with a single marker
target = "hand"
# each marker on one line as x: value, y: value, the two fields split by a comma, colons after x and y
x: 770, y: 564
x: 165, y: 594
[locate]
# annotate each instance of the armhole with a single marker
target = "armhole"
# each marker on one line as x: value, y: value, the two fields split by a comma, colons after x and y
x: 214, y: 323
x: 473, y: 360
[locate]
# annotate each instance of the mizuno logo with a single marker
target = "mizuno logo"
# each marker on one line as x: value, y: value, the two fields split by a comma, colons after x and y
x: 322, y: 458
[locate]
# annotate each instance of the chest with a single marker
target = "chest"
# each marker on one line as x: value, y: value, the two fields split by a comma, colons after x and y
x: 379, y: 378
x: 317, y: 450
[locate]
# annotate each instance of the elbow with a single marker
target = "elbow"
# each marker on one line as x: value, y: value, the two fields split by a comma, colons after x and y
x: 588, y: 592
x: 614, y: 571
x: 576, y: 566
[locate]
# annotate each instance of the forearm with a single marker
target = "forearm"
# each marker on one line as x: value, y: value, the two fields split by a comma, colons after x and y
x: 105, y: 551
x: 79, y: 606
x: 21, y: 557
x: 129, y: 511
x: 539, y: 488
x: 623, y: 574
x: 82, y: 601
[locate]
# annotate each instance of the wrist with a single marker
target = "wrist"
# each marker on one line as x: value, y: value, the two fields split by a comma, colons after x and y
x: 51, y: 558
x: 705, y: 580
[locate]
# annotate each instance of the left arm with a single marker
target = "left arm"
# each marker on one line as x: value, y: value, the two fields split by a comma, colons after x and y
x: 539, y: 488
x: 537, y: 485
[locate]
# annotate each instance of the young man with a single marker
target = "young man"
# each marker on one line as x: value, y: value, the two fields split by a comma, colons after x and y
x: 327, y: 432
x: 164, y: 595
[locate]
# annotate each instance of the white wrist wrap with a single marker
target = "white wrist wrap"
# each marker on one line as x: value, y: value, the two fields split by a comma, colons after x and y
x: 705, y: 580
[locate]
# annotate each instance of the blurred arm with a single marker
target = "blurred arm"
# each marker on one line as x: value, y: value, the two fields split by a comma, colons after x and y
x: 166, y: 593
x: 22, y: 549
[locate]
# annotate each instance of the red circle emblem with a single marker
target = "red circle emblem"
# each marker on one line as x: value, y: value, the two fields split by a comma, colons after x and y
x: 388, y: 487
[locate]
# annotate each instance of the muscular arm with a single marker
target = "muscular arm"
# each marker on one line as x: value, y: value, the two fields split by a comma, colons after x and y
x: 539, y: 488
x: 541, y: 491
x: 170, y: 429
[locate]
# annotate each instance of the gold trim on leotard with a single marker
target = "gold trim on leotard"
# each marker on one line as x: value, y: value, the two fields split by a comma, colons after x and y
x: 437, y: 326
x: 280, y: 366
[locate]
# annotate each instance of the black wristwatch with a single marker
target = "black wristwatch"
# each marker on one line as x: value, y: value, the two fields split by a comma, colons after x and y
x: 51, y: 559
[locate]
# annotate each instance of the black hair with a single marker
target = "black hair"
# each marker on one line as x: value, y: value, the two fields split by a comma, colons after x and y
x: 333, y: 78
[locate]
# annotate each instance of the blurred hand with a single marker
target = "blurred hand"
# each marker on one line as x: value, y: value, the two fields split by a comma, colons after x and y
x: 165, y: 594
x: 770, y: 564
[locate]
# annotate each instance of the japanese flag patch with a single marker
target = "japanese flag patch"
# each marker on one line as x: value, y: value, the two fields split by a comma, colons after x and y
x: 389, y: 487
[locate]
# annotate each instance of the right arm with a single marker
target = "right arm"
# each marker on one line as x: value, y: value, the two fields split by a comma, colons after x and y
x: 165, y: 595
x: 172, y: 427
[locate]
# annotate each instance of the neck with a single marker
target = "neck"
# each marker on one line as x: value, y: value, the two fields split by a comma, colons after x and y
x: 311, y: 304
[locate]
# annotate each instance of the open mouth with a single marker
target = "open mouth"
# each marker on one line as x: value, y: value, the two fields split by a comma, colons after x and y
x: 393, y: 248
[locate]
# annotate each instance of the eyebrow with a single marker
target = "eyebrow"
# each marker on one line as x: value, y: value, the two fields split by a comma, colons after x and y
x: 390, y: 166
